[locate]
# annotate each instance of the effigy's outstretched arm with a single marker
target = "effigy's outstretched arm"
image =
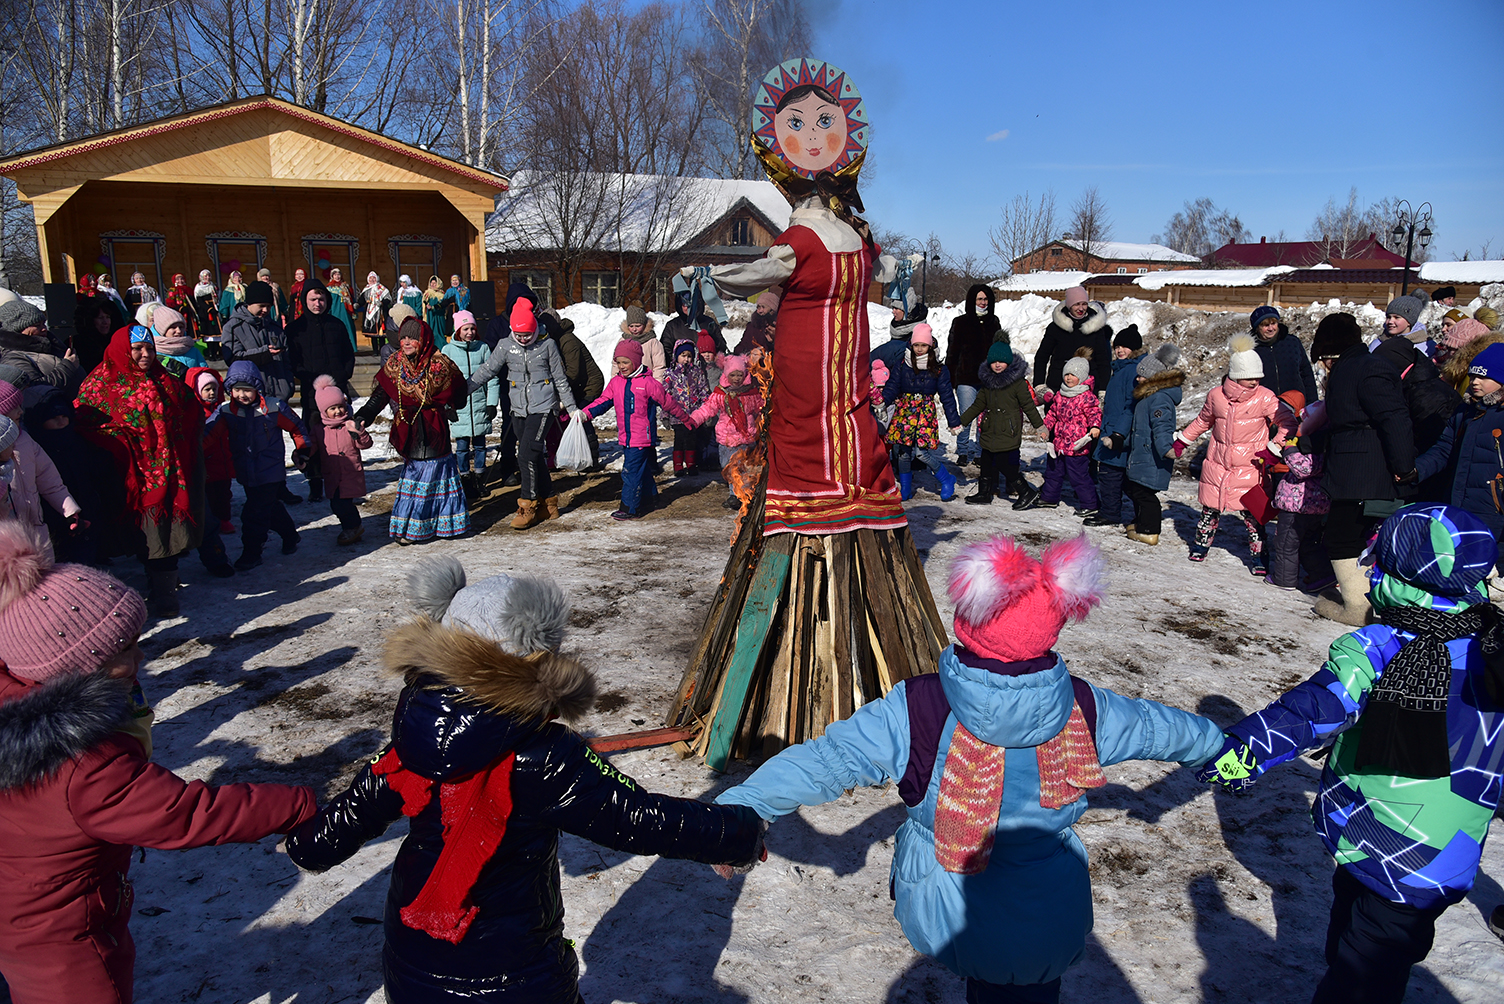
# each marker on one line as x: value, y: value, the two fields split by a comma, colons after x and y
x: 748, y: 277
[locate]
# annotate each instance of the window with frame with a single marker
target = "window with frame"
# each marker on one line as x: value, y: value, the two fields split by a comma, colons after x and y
x: 1056, y: 252
x: 1122, y: 270
x: 603, y: 288
x: 417, y: 259
x: 541, y: 283
x: 741, y: 232
x: 129, y: 257
x: 663, y: 294
x: 1142, y: 270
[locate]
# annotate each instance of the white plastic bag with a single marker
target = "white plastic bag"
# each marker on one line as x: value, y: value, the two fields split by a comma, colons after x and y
x: 574, y: 446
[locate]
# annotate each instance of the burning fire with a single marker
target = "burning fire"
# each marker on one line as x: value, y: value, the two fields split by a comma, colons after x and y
x: 744, y: 473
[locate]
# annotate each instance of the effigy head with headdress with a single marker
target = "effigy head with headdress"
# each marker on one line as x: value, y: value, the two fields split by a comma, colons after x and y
x: 810, y: 131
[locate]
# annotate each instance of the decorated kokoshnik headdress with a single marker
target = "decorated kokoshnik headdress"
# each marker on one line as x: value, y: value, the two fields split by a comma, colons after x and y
x: 809, y: 129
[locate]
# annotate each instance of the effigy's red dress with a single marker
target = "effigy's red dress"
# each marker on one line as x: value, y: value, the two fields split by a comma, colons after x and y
x: 828, y: 469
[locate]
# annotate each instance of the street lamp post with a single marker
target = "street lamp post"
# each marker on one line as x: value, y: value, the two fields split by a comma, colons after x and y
x: 1405, y: 226
x: 924, y: 278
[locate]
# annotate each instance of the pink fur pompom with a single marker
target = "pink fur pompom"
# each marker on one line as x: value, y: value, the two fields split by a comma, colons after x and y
x: 23, y: 562
x: 1075, y: 571
x: 988, y: 576
x: 325, y: 380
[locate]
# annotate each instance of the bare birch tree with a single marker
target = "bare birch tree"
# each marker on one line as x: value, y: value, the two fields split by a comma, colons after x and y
x: 1025, y: 225
x: 1090, y: 225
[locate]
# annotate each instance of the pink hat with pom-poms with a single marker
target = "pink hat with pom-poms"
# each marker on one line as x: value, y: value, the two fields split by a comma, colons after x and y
x: 1010, y: 606
x: 326, y: 393
x: 879, y: 373
x: 57, y: 619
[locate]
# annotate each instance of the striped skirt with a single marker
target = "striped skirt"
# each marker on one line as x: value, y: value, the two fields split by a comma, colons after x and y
x: 430, y: 502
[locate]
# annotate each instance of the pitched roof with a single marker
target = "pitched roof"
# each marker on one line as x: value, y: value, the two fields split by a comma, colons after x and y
x: 625, y: 212
x: 1462, y: 271
x: 1301, y: 254
x: 1124, y: 251
x: 62, y: 151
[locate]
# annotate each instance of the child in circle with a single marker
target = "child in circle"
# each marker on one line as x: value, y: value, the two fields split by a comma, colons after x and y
x: 914, y: 433
x: 633, y: 391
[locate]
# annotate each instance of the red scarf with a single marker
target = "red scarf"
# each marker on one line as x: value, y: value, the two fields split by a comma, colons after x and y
x: 474, y: 813
x: 151, y: 423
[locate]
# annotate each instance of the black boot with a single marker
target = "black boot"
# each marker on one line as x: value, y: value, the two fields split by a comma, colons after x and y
x: 162, y: 593
x: 315, y: 489
x: 982, y: 496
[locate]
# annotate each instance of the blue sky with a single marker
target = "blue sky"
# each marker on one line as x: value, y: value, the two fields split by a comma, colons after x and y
x: 1268, y: 108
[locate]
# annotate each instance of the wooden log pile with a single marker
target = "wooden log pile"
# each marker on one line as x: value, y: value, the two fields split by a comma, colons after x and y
x: 802, y: 632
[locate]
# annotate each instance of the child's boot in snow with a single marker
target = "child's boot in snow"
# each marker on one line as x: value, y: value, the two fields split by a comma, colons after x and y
x: 947, y: 483
x: 906, y: 485
x: 1353, y: 581
x: 551, y: 507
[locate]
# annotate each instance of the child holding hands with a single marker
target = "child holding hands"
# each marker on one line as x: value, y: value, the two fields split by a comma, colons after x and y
x: 736, y: 405
x: 1071, y: 427
x: 338, y: 445
x: 632, y: 391
x: 1003, y: 399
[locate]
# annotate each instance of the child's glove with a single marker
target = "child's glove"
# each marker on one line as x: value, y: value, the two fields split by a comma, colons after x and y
x: 1049, y: 449
x: 1176, y: 449
x: 490, y: 413
x: 300, y: 457
x: 1081, y: 443
x: 1265, y: 458
x: 1234, y: 767
x: 77, y: 524
x: 759, y: 854
x: 1115, y: 442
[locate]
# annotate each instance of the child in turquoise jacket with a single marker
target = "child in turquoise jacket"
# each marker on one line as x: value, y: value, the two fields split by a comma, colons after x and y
x: 1001, y: 896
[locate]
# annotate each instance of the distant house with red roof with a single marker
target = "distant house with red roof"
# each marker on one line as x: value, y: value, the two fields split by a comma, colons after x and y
x: 1365, y: 252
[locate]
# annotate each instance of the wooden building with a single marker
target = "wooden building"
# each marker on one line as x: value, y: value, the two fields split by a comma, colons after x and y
x: 253, y: 183
x: 1111, y: 257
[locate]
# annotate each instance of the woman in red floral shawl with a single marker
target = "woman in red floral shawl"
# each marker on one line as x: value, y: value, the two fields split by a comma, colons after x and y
x: 153, y: 428
x: 421, y: 384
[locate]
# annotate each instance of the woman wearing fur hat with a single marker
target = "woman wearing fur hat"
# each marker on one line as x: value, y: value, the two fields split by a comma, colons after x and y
x: 1003, y: 402
x: 914, y: 432
x: 421, y: 384
x: 1239, y: 415
x: 489, y: 778
x: 1156, y: 395
x: 1409, y: 710
x: 993, y: 756
x: 1077, y: 324
x: 77, y: 785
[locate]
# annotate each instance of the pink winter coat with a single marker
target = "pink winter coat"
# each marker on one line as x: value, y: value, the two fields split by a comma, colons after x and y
x: 630, y: 396
x: 737, y: 425
x: 1238, y: 418
x: 36, y: 478
x: 1071, y: 418
x: 339, y: 455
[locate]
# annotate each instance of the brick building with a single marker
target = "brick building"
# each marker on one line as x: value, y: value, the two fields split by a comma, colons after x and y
x: 1110, y: 257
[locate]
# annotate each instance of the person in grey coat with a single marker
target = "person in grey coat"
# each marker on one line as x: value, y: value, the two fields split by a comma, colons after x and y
x: 537, y: 385
x: 250, y: 334
x: 1156, y: 393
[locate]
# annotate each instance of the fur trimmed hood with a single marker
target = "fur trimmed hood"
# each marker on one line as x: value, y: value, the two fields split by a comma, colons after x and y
x: 1094, y: 321
x: 647, y: 331
x: 45, y: 726
x: 1017, y: 370
x: 971, y: 299
x: 1158, y: 382
x: 539, y: 686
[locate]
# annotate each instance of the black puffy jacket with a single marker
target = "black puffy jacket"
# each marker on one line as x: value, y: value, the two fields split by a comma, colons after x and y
x: 515, y: 950
x: 971, y: 335
x: 1286, y: 365
x: 1064, y: 336
x: 1368, y: 436
x: 320, y: 343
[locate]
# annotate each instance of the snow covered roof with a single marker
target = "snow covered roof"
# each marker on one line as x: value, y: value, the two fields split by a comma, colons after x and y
x: 1462, y: 271
x: 1210, y: 277
x: 613, y: 212
x: 1123, y: 251
x: 1041, y: 282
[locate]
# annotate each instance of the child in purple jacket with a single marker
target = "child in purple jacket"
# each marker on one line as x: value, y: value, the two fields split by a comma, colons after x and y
x: 1303, y: 505
x: 630, y: 391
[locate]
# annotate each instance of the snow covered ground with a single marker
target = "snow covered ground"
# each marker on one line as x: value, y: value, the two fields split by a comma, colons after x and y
x: 274, y: 676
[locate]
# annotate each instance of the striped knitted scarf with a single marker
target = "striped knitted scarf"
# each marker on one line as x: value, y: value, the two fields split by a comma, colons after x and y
x: 971, y: 789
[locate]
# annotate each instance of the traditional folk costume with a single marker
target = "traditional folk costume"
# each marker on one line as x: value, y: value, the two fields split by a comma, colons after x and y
x: 206, y: 313
x: 433, y: 312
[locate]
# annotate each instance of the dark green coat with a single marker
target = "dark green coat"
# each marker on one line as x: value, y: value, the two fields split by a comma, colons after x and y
x: 1003, y: 399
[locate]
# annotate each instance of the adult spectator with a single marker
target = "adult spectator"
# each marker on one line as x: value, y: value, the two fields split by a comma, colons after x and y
x: 1286, y: 366
x: 153, y: 428
x: 1446, y: 296
x: 586, y: 382
x: 251, y: 334
x: 1430, y: 400
x: 971, y: 335
x: 1077, y: 324
x: 1369, y: 449
x: 318, y: 343
x: 908, y: 314
x: 26, y: 344
x: 680, y: 328
x: 93, y: 324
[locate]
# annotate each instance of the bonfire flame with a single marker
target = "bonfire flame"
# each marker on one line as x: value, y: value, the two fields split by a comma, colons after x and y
x: 745, y: 472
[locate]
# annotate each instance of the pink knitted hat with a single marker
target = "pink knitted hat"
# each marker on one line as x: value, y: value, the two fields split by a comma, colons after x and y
x: 326, y: 393
x: 629, y: 349
x: 10, y: 398
x: 923, y: 333
x: 732, y: 364
x: 462, y: 318
x: 1075, y: 295
x: 57, y: 619
x: 1463, y: 332
x: 163, y: 318
x: 1010, y: 606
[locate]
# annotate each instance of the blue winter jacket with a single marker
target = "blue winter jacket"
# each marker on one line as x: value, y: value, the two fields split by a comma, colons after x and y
x: 470, y: 417
x: 905, y: 379
x: 256, y: 444
x: 1024, y: 919
x: 1153, y: 431
x: 1117, y: 412
x: 1470, y: 453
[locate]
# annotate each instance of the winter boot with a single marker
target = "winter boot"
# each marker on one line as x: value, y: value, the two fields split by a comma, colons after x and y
x: 982, y: 496
x: 470, y: 485
x: 350, y: 536
x: 678, y: 463
x: 527, y: 514
x: 1353, y: 581
x: 1143, y: 538
x: 288, y: 497
x: 550, y: 508
x: 162, y: 592
x: 315, y: 489
x: 947, y: 483
x: 906, y: 486
x: 1097, y: 519
x: 732, y: 502
x: 1028, y: 497
x: 247, y: 560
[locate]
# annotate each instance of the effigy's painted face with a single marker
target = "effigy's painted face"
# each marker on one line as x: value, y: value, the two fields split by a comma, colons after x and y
x: 811, y: 132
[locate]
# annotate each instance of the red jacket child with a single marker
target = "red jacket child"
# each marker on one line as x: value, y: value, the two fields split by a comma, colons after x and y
x: 1073, y: 413
x: 77, y: 788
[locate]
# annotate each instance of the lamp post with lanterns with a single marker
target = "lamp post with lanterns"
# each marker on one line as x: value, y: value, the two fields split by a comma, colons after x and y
x: 1405, y: 226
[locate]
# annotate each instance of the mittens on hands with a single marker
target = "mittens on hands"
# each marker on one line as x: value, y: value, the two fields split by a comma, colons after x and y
x: 1234, y: 767
x: 1177, y: 448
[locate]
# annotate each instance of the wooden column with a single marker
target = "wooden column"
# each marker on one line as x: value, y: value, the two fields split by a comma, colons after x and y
x: 43, y: 253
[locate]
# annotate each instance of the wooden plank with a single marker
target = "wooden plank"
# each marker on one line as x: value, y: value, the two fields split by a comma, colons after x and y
x: 639, y: 740
x: 798, y: 605
x: 883, y: 603
x: 775, y: 724
x: 762, y: 603
x: 838, y: 582
x: 926, y: 617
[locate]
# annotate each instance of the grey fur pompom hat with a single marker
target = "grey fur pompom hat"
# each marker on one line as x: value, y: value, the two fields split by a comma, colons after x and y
x: 1164, y: 358
x: 522, y: 615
